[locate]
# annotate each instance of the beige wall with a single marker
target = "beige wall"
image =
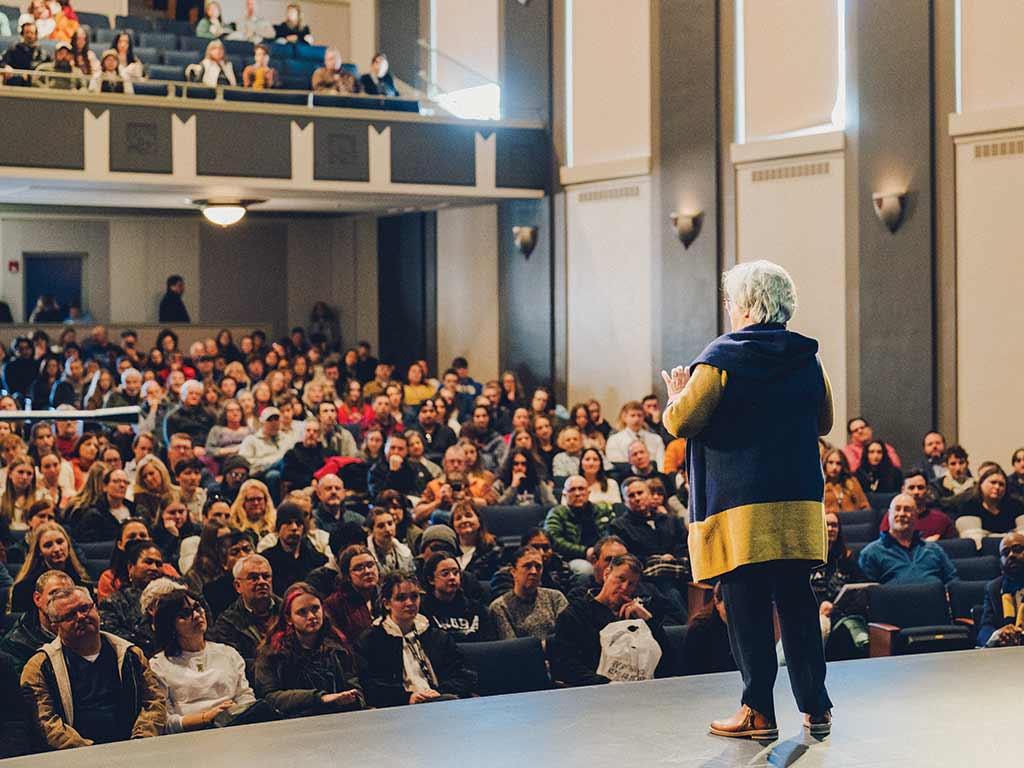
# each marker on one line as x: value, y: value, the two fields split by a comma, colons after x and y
x: 467, y: 288
x: 992, y: 57
x: 143, y: 252
x: 467, y: 31
x: 798, y: 221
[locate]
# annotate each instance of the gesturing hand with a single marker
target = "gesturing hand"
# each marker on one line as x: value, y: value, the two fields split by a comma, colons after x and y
x: 676, y: 381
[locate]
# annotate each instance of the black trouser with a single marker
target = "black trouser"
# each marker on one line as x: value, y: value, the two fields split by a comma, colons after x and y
x: 749, y: 592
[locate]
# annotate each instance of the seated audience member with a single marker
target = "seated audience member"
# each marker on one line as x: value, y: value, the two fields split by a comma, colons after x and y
x: 576, y: 525
x: 827, y: 582
x: 393, y: 470
x: 958, y: 479
x: 488, y: 441
x: 244, y: 624
x: 189, y: 417
x: 557, y: 575
x: 989, y: 501
x: 446, y: 605
x: 63, y: 64
x: 406, y: 531
x: 860, y: 434
x: 566, y: 463
x: 102, y: 521
x: 707, y: 647
x: 212, y: 25
x: 32, y: 629
x: 932, y: 523
x: 338, y: 440
x: 407, y: 660
x: 353, y: 409
x: 648, y: 535
x: 84, y: 454
x: 378, y: 81
x: 305, y: 665
x: 640, y: 465
x: 202, y: 679
x: 214, y: 69
x: 579, y: 417
x: 220, y: 593
x: 332, y: 79
x: 528, y: 609
x: 254, y: 28
x: 201, y: 560
x: 383, y: 419
x: 479, y: 552
x: 442, y: 492
x: 23, y: 55
x: 40, y: 512
x: 544, y: 444
x: 152, y: 483
x: 351, y: 591
x: 1004, y: 597
x: 602, y: 488
x: 293, y: 556
x: 1015, y: 481
x: 329, y: 509
x: 575, y: 650
x: 901, y: 556
x: 633, y: 427
x: 522, y: 481
x: 105, y: 691
x: 226, y: 435
x: 50, y: 550
x: 387, y: 550
x: 416, y: 389
x: 934, y: 461
x: 16, y: 721
x: 20, y: 492
x: 172, y: 527
x: 188, y: 473
x: 425, y: 469
x: 122, y: 612
x: 663, y: 504
x: 253, y: 509
x: 876, y: 473
x: 652, y: 418
x: 304, y: 459
x: 293, y: 29
x: 111, y: 580
x: 437, y: 437
x: 842, y: 490
x: 236, y: 472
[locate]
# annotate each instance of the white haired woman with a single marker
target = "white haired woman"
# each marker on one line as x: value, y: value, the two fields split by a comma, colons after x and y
x: 752, y: 405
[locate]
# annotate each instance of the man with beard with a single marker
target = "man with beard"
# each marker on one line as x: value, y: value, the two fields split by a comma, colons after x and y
x: 90, y: 687
x: 64, y: 64
x: 294, y: 555
x: 329, y: 510
x: 902, y: 556
x: 1003, y: 609
x: 305, y: 458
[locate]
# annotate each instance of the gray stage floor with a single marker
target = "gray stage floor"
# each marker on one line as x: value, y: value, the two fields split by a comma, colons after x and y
x: 953, y: 709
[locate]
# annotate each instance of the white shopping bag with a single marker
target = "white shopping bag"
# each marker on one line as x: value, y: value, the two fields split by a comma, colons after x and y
x: 628, y: 651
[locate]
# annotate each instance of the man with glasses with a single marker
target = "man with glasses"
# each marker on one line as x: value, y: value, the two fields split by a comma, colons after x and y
x: 245, y: 623
x: 576, y: 525
x: 860, y: 434
x: 1002, y: 618
x: 90, y: 687
x: 236, y: 472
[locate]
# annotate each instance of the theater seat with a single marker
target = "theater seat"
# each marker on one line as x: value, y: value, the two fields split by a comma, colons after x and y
x: 238, y: 48
x: 990, y: 545
x: 964, y: 596
x: 143, y: 88
x: 138, y: 23
x: 912, y: 618
x: 98, y: 550
x: 193, y: 43
x: 181, y: 58
x: 676, y: 636
x: 311, y: 52
x: 162, y: 40
x: 104, y: 38
x: 95, y: 568
x: 509, y: 523
x: 507, y: 666
x: 148, y: 56
x: 12, y: 12
x: 167, y: 72
x: 265, y: 96
x: 957, y: 548
x: 93, y: 20
x: 977, y: 568
x: 858, y: 517
x: 172, y: 25
x: 860, y: 532
x: 879, y: 500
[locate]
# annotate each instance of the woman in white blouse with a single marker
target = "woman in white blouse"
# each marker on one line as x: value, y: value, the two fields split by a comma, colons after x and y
x: 602, y: 487
x: 202, y: 679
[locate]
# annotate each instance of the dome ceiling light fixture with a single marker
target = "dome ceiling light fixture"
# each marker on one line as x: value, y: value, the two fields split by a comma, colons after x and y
x: 225, y: 211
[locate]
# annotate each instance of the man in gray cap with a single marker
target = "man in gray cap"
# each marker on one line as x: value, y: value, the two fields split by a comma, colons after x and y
x: 265, y: 451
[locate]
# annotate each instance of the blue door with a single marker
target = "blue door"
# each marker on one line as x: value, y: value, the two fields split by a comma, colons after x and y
x: 58, y: 274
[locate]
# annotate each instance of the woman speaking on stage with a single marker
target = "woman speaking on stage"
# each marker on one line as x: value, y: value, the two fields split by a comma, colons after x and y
x: 752, y: 406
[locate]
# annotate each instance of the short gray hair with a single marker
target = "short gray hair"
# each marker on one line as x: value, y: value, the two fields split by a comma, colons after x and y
x: 52, y: 575
x: 63, y: 594
x: 764, y: 290
x: 243, y: 562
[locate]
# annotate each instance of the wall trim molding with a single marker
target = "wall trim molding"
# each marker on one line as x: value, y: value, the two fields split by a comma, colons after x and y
x: 986, y: 121
x: 793, y: 146
x: 614, y: 169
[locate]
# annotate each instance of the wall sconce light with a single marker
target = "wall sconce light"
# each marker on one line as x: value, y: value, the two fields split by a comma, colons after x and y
x: 526, y: 239
x: 225, y: 212
x: 687, y: 226
x: 889, y: 208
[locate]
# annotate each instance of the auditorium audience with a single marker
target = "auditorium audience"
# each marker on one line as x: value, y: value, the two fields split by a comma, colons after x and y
x: 633, y: 427
x: 934, y: 450
x: 32, y: 629
x: 932, y: 523
x: 122, y: 611
x: 860, y: 434
x: 111, y: 580
x: 876, y: 473
x: 172, y: 527
x: 214, y: 69
x: 303, y: 459
x: 521, y: 481
x: 212, y: 25
x: 1003, y: 608
x: 843, y: 492
x: 390, y: 553
x: 332, y: 79
x: 245, y: 623
x: 446, y: 605
x: 528, y: 609
x: 602, y: 488
x: 293, y: 556
x: 900, y: 555
x: 49, y: 550
x: 220, y: 592
x: 23, y: 55
x: 576, y: 525
x: 407, y: 659
x: 305, y: 665
x: 393, y: 471
x: 707, y: 648
x: 479, y: 552
x: 648, y: 535
x: 293, y: 29
x: 989, y: 501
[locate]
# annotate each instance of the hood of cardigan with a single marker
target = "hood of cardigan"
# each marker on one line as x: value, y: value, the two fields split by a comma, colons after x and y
x: 760, y: 351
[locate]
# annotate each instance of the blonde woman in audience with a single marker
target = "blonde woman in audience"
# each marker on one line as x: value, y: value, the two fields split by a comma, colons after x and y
x: 253, y: 509
x: 49, y: 550
x: 235, y: 370
x: 50, y: 482
x: 87, y: 497
x: 248, y: 402
x: 843, y: 492
x: 214, y: 69
x: 152, y: 483
x: 293, y: 29
x: 20, y: 493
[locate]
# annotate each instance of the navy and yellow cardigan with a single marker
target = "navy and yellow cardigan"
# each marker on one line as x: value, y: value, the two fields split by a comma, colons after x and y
x: 756, y: 402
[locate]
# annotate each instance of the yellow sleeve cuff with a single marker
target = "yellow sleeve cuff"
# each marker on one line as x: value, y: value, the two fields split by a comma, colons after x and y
x: 689, y: 413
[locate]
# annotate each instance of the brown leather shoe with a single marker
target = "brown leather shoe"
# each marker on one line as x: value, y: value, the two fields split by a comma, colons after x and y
x: 746, y: 724
x: 819, y: 726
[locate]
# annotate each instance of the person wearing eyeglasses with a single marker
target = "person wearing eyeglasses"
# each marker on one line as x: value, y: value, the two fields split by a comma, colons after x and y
x: 90, y: 687
x: 245, y: 623
x: 407, y: 660
x: 577, y: 524
x: 202, y: 678
x: 1002, y: 616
